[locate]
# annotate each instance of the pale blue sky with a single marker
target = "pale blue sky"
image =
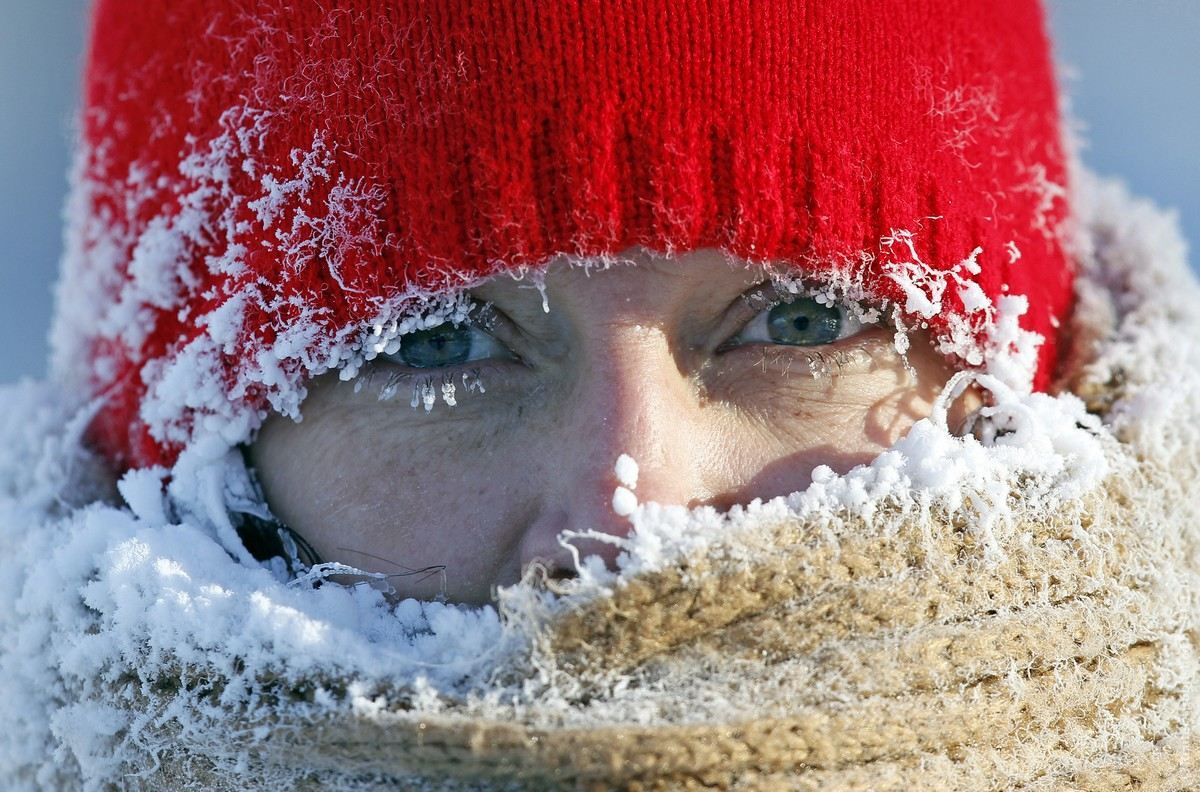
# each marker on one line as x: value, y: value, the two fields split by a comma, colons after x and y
x: 1136, y: 91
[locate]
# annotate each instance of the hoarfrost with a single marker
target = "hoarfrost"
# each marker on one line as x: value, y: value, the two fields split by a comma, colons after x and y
x: 624, y: 502
x: 626, y: 471
x: 147, y: 573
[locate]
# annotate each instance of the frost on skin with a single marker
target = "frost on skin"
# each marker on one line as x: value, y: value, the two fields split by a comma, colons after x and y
x: 624, y: 501
x: 626, y: 471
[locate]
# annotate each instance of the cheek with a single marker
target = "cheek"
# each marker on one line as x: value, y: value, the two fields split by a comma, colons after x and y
x: 786, y: 428
x: 393, y: 496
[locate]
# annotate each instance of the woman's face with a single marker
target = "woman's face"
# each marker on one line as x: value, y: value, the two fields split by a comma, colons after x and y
x: 690, y: 365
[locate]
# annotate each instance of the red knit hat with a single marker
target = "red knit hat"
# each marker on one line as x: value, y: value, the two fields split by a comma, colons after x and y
x: 266, y: 188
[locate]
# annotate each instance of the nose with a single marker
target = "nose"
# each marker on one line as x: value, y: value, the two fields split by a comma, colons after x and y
x: 629, y: 397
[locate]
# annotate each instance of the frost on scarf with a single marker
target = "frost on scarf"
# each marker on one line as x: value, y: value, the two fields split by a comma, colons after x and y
x: 954, y: 612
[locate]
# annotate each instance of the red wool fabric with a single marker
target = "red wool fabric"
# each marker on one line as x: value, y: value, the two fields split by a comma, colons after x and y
x: 457, y: 139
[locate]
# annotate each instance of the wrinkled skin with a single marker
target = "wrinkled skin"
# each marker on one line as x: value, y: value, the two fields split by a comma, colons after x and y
x: 649, y: 359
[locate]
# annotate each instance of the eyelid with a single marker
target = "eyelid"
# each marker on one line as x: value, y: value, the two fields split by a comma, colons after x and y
x: 744, y: 308
x: 490, y: 319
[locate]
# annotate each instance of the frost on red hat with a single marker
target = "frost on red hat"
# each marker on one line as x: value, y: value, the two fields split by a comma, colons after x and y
x: 265, y: 189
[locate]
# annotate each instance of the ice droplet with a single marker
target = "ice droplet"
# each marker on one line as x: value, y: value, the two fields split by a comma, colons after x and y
x: 624, y: 502
x: 389, y: 388
x: 472, y: 382
x: 626, y: 471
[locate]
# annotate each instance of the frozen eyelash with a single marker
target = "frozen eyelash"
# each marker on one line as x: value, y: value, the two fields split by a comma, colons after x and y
x: 822, y: 365
x: 783, y: 287
x: 424, y: 389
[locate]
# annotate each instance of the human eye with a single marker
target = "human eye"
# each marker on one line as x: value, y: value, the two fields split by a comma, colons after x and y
x: 797, y: 321
x: 447, y: 345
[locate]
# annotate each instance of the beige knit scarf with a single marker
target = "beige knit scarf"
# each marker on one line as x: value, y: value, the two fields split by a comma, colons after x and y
x: 855, y: 657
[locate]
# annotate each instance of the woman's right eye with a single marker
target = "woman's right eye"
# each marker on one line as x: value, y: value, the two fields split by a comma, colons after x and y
x: 447, y: 345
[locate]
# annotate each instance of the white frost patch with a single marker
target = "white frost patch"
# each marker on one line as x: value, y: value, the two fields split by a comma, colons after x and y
x: 190, y: 392
x: 986, y: 334
x: 624, y: 502
x: 626, y: 471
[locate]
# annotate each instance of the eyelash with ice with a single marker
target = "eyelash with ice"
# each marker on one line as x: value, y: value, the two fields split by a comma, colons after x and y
x: 816, y: 362
x: 424, y: 387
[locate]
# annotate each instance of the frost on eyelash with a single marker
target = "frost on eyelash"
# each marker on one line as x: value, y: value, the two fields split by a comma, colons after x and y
x: 823, y: 366
x: 832, y: 292
x: 425, y: 389
x: 426, y: 392
x: 383, y: 336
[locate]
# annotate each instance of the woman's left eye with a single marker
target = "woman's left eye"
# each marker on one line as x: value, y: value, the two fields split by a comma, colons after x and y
x: 799, y: 322
x: 447, y: 345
